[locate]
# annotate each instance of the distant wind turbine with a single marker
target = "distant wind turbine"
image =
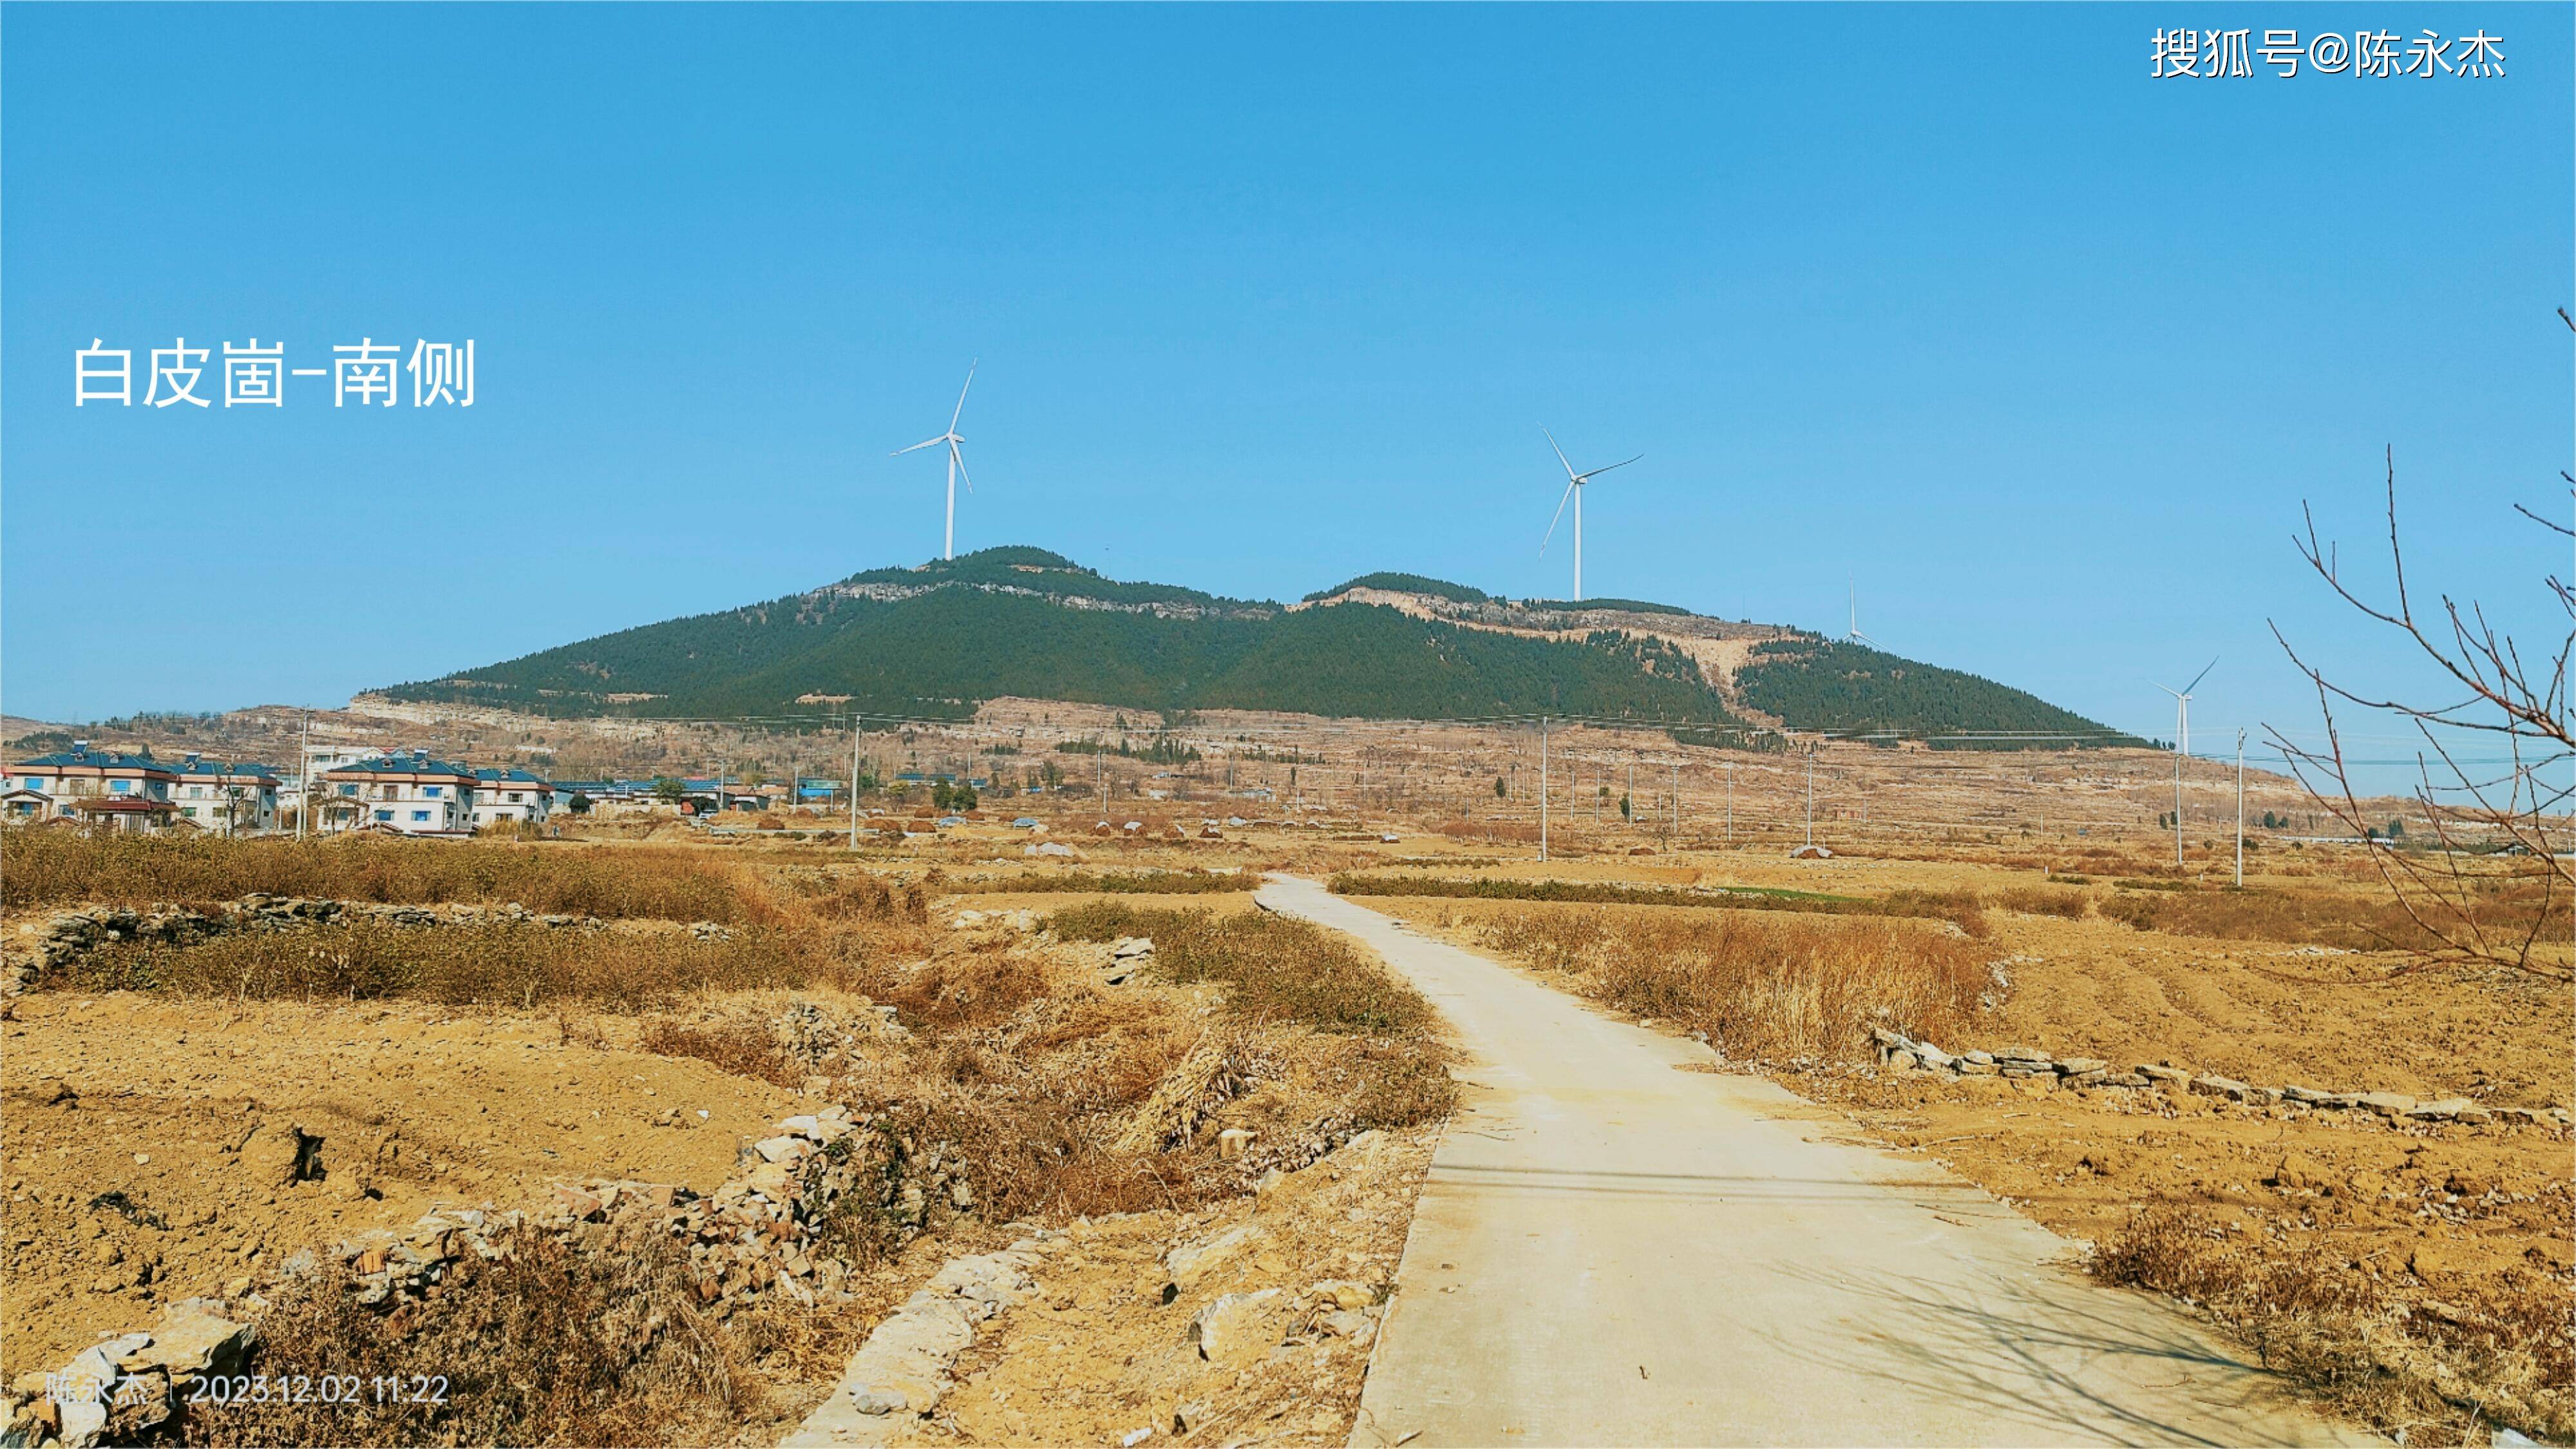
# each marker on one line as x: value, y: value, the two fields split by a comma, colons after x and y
x: 1854, y: 634
x: 2182, y: 743
x: 1574, y: 491
x: 956, y: 462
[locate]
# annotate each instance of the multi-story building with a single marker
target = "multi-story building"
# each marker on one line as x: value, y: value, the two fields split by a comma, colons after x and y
x: 511, y: 795
x: 129, y: 792
x: 410, y: 793
x: 229, y: 799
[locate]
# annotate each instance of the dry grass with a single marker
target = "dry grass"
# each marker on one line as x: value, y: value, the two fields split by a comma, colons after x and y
x: 47, y: 867
x: 2502, y: 906
x: 1112, y: 882
x: 1271, y: 967
x: 543, y: 1346
x: 491, y: 965
x: 743, y: 1048
x: 1761, y: 986
x: 1961, y: 908
x: 2433, y: 1374
x: 2041, y: 901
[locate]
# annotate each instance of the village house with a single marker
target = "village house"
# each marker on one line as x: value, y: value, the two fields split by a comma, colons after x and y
x: 511, y: 795
x: 411, y: 793
x: 128, y: 792
x: 229, y: 799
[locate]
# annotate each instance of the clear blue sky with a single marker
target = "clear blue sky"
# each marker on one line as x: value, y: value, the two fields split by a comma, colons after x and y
x: 1955, y: 300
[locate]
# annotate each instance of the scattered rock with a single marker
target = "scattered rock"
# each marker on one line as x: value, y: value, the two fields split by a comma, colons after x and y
x: 1235, y: 1329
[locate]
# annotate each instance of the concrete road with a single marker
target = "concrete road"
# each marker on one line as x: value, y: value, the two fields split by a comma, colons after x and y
x: 1611, y: 1250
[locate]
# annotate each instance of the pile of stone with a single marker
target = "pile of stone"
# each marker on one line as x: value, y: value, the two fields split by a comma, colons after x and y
x: 1900, y: 1053
x: 123, y: 1387
x: 762, y: 1232
x: 902, y: 1371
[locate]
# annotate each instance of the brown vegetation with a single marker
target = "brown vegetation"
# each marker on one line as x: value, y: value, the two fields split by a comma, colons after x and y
x: 545, y: 1345
x: 1760, y: 986
x: 491, y: 964
x: 2436, y: 1374
x: 49, y: 867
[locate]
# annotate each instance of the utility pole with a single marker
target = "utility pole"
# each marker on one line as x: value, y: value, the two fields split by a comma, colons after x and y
x: 1629, y: 798
x: 1676, y: 833
x: 1730, y: 802
x: 1542, y: 787
x: 304, y: 777
x: 854, y: 779
x: 1811, y: 793
x: 2177, y: 804
x: 2240, y: 809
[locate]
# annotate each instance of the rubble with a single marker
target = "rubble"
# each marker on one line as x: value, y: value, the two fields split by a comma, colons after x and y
x: 66, y: 937
x: 1900, y: 1053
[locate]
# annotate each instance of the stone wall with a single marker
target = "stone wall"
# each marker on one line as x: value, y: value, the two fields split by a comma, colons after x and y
x: 1900, y: 1053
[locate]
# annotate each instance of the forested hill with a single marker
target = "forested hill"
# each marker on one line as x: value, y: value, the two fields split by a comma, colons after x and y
x: 937, y: 640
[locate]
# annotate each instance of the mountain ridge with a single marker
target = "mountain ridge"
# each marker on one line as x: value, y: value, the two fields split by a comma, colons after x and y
x: 937, y: 639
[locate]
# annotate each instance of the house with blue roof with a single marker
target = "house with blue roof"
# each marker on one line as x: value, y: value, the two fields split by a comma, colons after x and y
x: 229, y: 798
x: 410, y: 793
x: 97, y: 787
x: 510, y: 796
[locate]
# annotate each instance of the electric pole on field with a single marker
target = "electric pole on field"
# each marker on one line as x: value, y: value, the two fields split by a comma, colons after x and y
x: 854, y: 779
x: 1542, y: 787
x: 2240, y: 809
x: 1676, y: 832
x: 304, y: 777
x: 1811, y: 793
x: 1730, y: 802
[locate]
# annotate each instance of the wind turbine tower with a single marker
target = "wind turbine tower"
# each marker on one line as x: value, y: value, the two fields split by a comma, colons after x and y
x: 1574, y: 493
x: 2182, y: 743
x: 1854, y: 635
x: 956, y: 463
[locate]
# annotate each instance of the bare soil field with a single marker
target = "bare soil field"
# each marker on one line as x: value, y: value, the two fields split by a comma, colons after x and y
x: 196, y: 1117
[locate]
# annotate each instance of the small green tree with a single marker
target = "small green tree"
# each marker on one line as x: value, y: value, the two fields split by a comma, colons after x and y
x: 1623, y: 807
x: 1499, y: 791
x: 669, y: 791
x: 579, y: 804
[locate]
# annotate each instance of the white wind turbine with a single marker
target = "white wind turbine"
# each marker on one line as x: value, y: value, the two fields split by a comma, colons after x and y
x: 2182, y: 743
x: 1852, y: 590
x: 1574, y: 491
x: 956, y: 462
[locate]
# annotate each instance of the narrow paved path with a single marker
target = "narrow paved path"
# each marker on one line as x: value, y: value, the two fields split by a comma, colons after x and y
x: 1613, y: 1251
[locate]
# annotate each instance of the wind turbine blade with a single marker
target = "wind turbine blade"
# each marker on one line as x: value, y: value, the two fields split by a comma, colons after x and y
x: 1597, y: 472
x: 959, y: 457
x: 917, y: 447
x: 2176, y: 693
x: 2203, y: 674
x: 1560, y: 455
x: 1560, y: 514
x: 961, y: 394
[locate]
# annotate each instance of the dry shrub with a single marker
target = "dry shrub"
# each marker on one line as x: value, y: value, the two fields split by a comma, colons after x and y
x: 955, y: 992
x: 2430, y: 1373
x: 866, y: 898
x: 1139, y: 883
x: 2041, y: 901
x: 1762, y: 985
x: 49, y: 866
x: 494, y: 964
x: 1960, y: 907
x: 545, y: 1345
x: 2501, y: 906
x: 743, y: 1048
x: 1270, y: 966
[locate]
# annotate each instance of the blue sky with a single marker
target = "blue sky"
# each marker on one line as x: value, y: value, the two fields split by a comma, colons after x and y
x: 1958, y: 301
